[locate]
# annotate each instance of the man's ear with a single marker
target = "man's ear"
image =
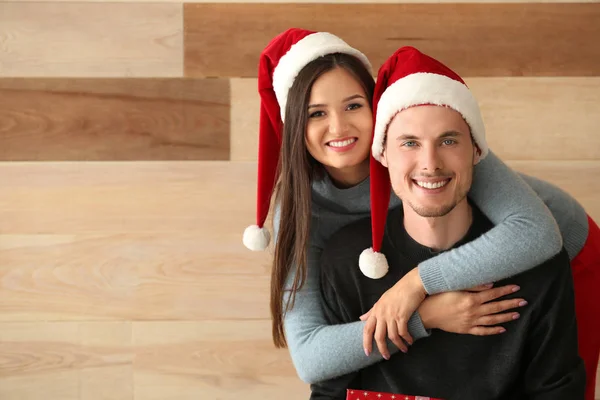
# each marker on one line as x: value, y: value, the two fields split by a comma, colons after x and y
x: 476, y: 154
x: 384, y: 152
x: 384, y: 158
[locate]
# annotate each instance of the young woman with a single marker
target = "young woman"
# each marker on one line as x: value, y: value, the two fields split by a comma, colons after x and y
x: 321, y: 89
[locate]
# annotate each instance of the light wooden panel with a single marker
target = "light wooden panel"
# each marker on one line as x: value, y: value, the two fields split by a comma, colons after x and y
x: 169, y: 276
x: 245, y: 109
x: 541, y: 118
x: 526, y: 118
x: 318, y: 1
x: 128, y: 241
x: 474, y: 39
x: 91, y: 39
x: 212, y: 360
x: 152, y: 241
x: 114, y: 119
x: 66, y: 361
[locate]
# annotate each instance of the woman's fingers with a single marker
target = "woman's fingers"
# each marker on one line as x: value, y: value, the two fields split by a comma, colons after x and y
x: 498, y: 318
x: 381, y: 337
x: 403, y: 332
x: 501, y: 306
x: 365, y: 316
x: 486, y: 331
x: 395, y: 338
x: 481, y: 288
x: 492, y: 294
x: 368, y: 332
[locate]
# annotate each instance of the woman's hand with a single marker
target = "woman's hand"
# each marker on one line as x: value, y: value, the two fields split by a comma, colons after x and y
x: 468, y: 312
x: 389, y: 316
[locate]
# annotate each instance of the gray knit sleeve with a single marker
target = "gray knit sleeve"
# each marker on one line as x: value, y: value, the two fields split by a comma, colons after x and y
x: 525, y: 233
x: 320, y: 351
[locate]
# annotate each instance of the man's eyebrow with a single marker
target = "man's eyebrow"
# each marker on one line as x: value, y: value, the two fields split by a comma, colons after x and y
x: 450, y: 134
x: 407, y: 136
x: 354, y: 96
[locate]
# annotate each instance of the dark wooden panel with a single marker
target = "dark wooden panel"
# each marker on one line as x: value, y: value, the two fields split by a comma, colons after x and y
x: 474, y: 39
x: 114, y: 119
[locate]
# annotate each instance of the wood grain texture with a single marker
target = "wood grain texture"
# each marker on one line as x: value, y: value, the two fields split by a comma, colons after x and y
x: 474, y: 39
x: 225, y: 360
x: 91, y: 40
x: 70, y: 361
x: 525, y: 118
x: 212, y: 360
x: 245, y: 110
x: 153, y: 241
x: 315, y: 1
x: 167, y: 276
x: 114, y: 119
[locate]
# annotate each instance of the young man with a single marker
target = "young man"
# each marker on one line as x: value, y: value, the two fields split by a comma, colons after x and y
x: 428, y: 136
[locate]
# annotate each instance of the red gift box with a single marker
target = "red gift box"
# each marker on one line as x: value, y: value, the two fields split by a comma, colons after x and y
x: 353, y: 394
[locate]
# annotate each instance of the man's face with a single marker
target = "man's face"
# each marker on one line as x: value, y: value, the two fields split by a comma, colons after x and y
x: 430, y: 157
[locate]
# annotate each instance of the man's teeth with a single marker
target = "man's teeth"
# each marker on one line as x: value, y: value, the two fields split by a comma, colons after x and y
x: 342, y: 143
x: 432, y: 185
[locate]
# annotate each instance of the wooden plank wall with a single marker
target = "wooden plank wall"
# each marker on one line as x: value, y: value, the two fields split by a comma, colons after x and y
x: 128, y: 135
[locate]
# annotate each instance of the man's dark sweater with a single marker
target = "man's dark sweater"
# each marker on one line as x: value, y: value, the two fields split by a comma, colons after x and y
x: 536, y: 358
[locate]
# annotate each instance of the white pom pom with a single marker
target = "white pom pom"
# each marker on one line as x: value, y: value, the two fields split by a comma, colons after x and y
x: 256, y: 238
x: 372, y: 264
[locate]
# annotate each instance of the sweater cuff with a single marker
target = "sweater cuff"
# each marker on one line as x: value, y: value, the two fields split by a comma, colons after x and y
x: 416, y: 328
x: 432, y: 278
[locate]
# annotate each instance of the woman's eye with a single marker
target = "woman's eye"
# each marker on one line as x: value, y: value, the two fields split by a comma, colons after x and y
x: 354, y: 106
x: 316, y: 114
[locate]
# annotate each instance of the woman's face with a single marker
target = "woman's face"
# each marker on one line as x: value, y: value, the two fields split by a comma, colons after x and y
x: 340, y: 122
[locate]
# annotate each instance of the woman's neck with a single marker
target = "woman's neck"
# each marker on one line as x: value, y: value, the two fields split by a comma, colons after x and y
x: 344, y: 178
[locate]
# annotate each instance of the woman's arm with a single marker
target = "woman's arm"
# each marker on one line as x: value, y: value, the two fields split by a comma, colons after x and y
x: 320, y: 351
x: 525, y: 233
x: 570, y: 215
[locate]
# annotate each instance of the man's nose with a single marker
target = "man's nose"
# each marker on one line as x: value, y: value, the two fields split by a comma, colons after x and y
x: 430, y: 159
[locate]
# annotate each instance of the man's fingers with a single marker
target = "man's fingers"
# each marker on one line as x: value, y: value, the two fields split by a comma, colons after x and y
x: 492, y: 294
x: 368, y: 332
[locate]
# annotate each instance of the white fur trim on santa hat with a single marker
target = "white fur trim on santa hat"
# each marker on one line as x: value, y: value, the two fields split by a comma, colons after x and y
x: 303, y: 52
x: 427, y: 88
x: 372, y: 264
x: 256, y: 238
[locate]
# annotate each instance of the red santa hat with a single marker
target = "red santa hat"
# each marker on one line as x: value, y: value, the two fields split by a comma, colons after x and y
x: 409, y: 78
x: 280, y: 62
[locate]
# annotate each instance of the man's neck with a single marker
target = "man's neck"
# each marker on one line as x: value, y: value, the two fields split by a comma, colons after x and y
x: 440, y: 233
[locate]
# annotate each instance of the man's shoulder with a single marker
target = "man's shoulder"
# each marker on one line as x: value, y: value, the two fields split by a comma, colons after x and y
x: 348, y: 242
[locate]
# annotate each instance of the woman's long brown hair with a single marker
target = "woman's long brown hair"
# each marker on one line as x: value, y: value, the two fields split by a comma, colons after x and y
x: 297, y: 168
